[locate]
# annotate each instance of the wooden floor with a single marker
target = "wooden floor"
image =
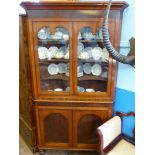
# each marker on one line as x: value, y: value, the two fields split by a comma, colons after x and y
x: 24, y: 150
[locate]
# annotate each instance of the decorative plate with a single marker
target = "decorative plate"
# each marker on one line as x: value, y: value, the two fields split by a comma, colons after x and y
x: 67, y: 89
x: 89, y: 51
x: 65, y: 37
x: 53, y: 50
x: 58, y: 33
x: 58, y: 89
x: 66, y: 55
x: 100, y: 33
x: 96, y: 69
x: 79, y: 35
x: 80, y: 70
x: 105, y: 54
x: 96, y: 53
x: 53, y: 69
x: 59, y: 55
x: 63, y: 49
x: 87, y: 68
x: 90, y: 90
x: 62, y: 29
x: 80, y: 89
x: 88, y: 35
x: 84, y: 55
x: 51, y: 54
x: 62, y: 67
x: 67, y: 69
x: 104, y: 74
x: 42, y: 51
x: 55, y: 37
x: 80, y: 47
x: 43, y: 33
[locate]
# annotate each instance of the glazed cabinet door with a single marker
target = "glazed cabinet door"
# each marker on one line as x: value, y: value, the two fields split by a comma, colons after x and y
x: 52, y: 58
x: 54, y: 127
x: 85, y: 123
x: 93, y: 74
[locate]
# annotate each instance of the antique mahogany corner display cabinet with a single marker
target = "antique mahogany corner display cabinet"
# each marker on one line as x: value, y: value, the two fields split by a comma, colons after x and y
x: 72, y: 76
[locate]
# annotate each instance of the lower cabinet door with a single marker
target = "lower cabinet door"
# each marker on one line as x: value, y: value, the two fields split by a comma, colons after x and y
x: 85, y: 123
x: 54, y: 127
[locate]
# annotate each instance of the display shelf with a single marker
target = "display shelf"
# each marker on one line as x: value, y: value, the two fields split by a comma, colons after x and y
x: 55, y: 77
x: 91, y: 77
x: 91, y: 40
x: 93, y: 61
x: 51, y: 41
x: 46, y: 61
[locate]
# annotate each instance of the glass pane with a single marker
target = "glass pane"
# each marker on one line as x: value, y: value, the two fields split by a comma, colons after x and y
x: 53, y: 56
x: 92, y: 69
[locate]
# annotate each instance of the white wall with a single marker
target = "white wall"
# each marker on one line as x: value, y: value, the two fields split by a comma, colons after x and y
x: 126, y: 73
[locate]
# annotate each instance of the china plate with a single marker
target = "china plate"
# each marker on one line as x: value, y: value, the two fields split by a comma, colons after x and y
x: 80, y: 89
x: 53, y: 50
x: 66, y: 55
x: 63, y: 49
x: 90, y: 90
x: 67, y: 89
x: 67, y: 69
x: 80, y: 70
x: 96, y: 69
x: 96, y: 53
x: 53, y: 69
x: 42, y: 51
x: 59, y: 55
x: 62, y: 29
x: 58, y: 89
x: 89, y: 51
x: 88, y: 35
x: 87, y: 68
x: 43, y: 33
x: 104, y: 74
x: 84, y: 55
x: 80, y: 47
x: 62, y: 67
x: 105, y: 54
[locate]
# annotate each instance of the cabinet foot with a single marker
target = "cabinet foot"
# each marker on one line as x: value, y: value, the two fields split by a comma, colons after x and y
x: 41, y: 152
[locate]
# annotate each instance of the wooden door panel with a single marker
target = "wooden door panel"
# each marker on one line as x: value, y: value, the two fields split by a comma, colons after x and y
x: 85, y: 124
x: 54, y: 127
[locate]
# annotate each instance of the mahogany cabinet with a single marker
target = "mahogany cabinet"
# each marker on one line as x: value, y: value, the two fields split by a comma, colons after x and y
x: 26, y: 112
x: 72, y: 75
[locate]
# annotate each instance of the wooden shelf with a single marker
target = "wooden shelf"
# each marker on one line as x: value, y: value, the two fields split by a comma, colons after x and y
x: 50, y: 41
x: 91, y: 40
x: 93, y: 61
x: 46, y: 61
x: 55, y: 77
x: 91, y: 77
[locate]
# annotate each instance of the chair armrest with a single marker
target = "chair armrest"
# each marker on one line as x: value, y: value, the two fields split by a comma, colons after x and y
x: 109, y: 131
